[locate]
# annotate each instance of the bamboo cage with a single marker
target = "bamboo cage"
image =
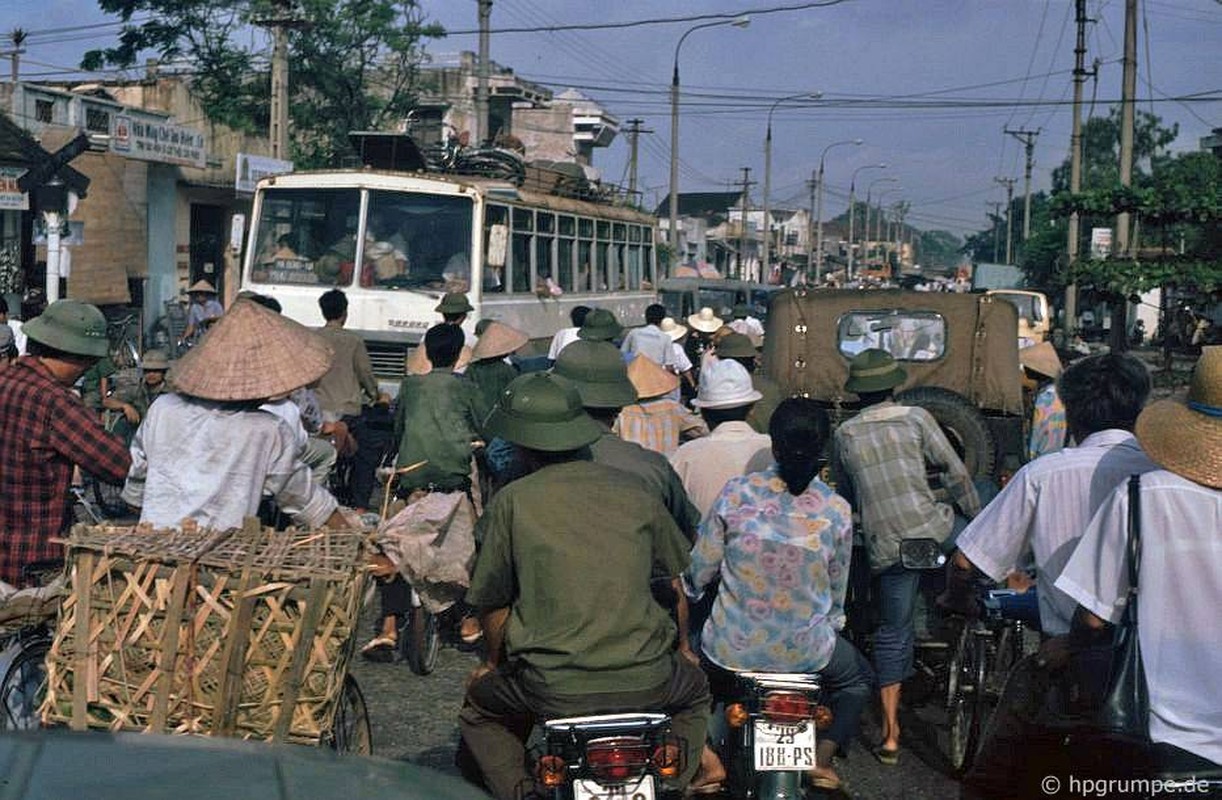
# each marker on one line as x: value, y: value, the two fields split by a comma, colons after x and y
x: 243, y: 633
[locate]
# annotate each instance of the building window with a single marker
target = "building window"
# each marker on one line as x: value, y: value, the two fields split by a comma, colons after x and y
x: 44, y: 110
x: 97, y: 120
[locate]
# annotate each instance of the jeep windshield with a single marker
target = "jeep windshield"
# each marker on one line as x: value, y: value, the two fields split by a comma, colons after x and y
x: 906, y: 335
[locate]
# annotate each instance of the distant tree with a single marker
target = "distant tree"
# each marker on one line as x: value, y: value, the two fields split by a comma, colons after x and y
x: 352, y: 63
x: 938, y: 250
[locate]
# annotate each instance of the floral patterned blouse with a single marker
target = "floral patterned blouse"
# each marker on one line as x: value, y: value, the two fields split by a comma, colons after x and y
x: 784, y: 566
x: 1048, y: 425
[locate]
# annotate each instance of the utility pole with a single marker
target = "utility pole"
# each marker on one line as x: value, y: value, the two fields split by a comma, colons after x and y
x: 17, y: 37
x: 996, y: 204
x: 482, y: 134
x: 742, y: 231
x: 1009, y: 184
x: 286, y: 17
x: 813, y: 185
x: 1075, y: 162
x: 1028, y: 140
x: 634, y: 132
x: 1128, y: 96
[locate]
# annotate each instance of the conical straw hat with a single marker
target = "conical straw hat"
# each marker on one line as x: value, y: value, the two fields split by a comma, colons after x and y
x: 1041, y: 358
x: 650, y: 378
x: 201, y: 286
x: 1186, y: 437
x: 498, y: 339
x: 249, y: 354
x: 418, y: 360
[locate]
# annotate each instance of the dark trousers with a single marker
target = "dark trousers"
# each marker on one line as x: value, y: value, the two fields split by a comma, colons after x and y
x: 500, y: 709
x: 374, y: 432
x: 396, y: 597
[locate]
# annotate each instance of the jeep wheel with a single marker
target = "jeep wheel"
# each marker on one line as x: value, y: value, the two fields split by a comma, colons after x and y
x: 962, y: 423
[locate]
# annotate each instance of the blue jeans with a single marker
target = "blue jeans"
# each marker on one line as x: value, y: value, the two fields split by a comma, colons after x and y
x: 895, y: 594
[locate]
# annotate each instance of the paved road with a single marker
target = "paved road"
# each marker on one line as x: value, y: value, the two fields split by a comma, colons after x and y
x: 414, y: 719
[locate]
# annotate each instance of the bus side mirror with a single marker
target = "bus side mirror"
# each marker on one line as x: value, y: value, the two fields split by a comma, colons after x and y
x: 498, y: 244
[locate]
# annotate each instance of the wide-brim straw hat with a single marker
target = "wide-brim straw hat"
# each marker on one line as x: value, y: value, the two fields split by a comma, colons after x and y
x: 1041, y: 358
x: 498, y: 339
x: 201, y: 286
x: 673, y: 329
x: 251, y: 353
x: 874, y: 370
x: 542, y: 411
x: 1186, y: 437
x: 650, y: 378
x: 705, y: 321
x: 418, y: 360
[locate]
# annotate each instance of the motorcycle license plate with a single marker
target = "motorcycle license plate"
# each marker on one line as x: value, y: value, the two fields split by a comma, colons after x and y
x: 585, y: 789
x: 783, y: 748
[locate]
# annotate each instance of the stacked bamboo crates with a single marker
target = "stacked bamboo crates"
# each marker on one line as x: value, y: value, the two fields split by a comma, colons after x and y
x: 244, y: 633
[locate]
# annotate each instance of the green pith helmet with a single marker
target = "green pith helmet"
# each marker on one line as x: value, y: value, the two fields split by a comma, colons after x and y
x: 454, y: 303
x: 735, y: 345
x: 740, y: 311
x: 598, y: 371
x: 874, y: 370
x: 600, y: 326
x: 71, y: 326
x: 541, y: 411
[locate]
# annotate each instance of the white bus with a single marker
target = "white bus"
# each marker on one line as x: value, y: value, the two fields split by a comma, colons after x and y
x: 396, y: 242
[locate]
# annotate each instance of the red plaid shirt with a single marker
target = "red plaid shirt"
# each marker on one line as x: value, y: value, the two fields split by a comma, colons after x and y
x: 44, y: 430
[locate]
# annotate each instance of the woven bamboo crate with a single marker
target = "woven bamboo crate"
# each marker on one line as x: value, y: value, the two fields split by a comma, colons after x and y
x: 243, y: 633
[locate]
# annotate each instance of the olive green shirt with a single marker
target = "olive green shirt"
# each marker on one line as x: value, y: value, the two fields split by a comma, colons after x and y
x: 437, y: 420
x: 570, y: 549
x: 655, y: 471
x: 490, y: 376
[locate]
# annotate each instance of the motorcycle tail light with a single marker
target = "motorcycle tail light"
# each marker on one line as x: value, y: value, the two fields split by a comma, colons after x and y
x: 551, y: 771
x: 786, y: 706
x: 822, y: 716
x: 736, y: 715
x: 667, y: 760
x: 617, y: 759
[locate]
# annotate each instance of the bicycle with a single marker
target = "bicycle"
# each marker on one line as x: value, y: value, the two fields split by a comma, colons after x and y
x: 25, y: 638
x: 123, y: 333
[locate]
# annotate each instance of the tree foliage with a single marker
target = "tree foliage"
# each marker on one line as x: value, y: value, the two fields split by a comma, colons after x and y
x: 352, y: 63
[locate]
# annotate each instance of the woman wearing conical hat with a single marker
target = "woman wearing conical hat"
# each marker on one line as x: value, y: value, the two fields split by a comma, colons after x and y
x: 1048, y: 425
x: 208, y: 453
x: 203, y: 310
x: 656, y: 421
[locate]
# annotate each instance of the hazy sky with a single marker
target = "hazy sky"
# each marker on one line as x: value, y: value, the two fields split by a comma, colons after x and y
x: 930, y: 85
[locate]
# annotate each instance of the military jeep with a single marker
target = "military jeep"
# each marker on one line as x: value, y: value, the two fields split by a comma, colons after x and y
x: 959, y: 351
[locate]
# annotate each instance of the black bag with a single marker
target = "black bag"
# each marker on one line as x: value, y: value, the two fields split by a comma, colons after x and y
x: 1125, y: 711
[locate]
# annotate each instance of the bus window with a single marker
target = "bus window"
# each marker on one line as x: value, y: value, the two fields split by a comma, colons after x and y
x: 564, y: 264
x: 634, y: 266
x: 585, y: 261
x: 494, y: 280
x: 417, y: 241
x: 520, y: 263
x: 307, y: 238
x: 601, y: 261
x: 544, y: 268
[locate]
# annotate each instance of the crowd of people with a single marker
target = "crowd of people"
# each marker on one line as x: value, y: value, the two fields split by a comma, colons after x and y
x: 650, y: 515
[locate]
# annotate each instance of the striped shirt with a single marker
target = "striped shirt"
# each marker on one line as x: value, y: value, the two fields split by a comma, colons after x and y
x: 1043, y: 511
x: 659, y: 425
x: 881, y: 455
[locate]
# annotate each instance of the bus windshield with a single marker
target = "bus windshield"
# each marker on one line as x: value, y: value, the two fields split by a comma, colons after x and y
x: 408, y: 240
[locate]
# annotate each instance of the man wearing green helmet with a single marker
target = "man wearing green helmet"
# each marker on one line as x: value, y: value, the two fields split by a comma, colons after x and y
x: 45, y: 430
x: 569, y: 623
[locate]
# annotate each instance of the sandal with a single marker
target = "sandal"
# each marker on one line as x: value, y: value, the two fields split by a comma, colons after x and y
x: 824, y: 782
x: 469, y: 630
x: 381, y: 648
x: 702, y: 789
x: 887, y: 756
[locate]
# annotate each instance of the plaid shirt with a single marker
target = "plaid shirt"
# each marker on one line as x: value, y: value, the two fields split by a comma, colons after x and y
x: 658, y: 425
x: 880, y: 458
x: 44, y: 430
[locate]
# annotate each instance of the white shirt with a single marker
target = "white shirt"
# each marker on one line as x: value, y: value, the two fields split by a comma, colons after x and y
x: 748, y: 326
x: 201, y: 460
x: 1044, y: 509
x: 649, y: 341
x: 705, y: 464
x: 19, y: 337
x: 1180, y: 578
x: 563, y: 338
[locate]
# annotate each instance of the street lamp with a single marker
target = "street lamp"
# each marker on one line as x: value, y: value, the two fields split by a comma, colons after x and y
x: 819, y: 206
x: 767, y: 258
x: 737, y: 22
x: 852, y: 215
x: 869, y: 190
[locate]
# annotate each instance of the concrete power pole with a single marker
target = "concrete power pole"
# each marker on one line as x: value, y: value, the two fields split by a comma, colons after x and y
x: 1128, y: 96
x: 1075, y: 162
x: 17, y: 37
x: 1009, y: 184
x: 634, y: 132
x: 813, y: 185
x: 1028, y: 140
x: 482, y: 133
x: 996, y: 204
x: 278, y: 128
x: 742, y: 230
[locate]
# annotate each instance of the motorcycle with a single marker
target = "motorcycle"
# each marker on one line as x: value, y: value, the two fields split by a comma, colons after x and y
x: 771, y: 738
x: 630, y: 756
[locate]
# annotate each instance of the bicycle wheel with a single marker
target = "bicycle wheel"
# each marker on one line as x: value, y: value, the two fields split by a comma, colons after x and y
x: 352, y: 732
x: 420, y: 640
x: 23, y: 684
x: 965, y: 711
x: 954, y: 669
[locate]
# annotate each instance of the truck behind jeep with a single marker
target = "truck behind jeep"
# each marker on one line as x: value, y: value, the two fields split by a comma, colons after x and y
x: 959, y: 351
